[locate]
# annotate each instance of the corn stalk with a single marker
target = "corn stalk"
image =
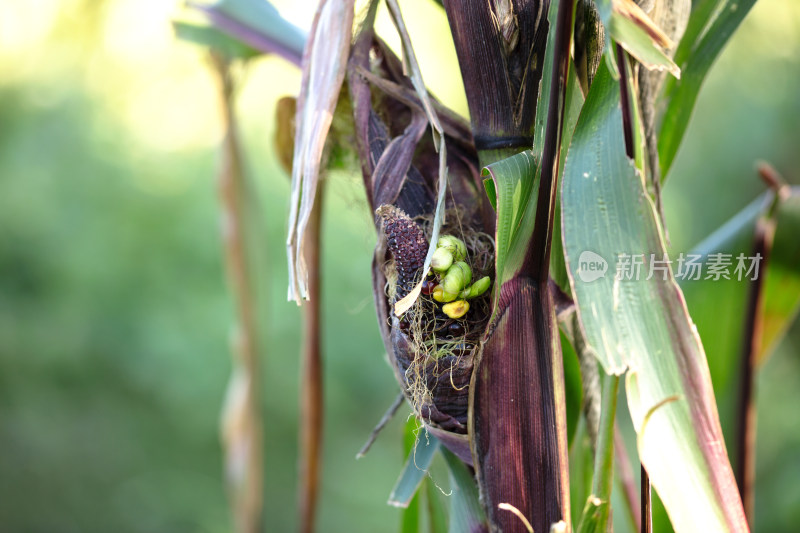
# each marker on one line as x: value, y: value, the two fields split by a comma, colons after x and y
x: 241, y: 422
x: 500, y: 405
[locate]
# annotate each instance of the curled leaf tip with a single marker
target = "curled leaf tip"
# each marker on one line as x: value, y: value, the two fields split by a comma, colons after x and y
x: 634, y: 13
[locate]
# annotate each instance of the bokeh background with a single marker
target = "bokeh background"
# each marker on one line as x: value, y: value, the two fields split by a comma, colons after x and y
x: 114, y: 315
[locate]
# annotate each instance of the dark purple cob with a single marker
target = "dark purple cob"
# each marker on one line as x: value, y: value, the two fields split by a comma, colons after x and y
x: 407, y: 244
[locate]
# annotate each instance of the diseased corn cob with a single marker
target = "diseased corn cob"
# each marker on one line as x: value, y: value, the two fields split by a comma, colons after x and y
x: 407, y: 244
x: 494, y: 401
x: 434, y: 349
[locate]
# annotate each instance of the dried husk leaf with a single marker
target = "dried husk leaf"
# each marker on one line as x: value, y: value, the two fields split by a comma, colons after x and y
x: 589, y: 41
x: 401, y: 168
x: 324, y: 66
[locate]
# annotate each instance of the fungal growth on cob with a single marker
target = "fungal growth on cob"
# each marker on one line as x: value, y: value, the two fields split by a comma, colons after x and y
x: 436, y: 341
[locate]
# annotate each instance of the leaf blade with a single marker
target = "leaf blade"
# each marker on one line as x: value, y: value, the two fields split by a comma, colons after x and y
x: 695, y: 55
x: 597, y: 511
x: 213, y: 38
x: 258, y: 25
x: 718, y: 307
x: 416, y: 468
x: 515, y: 184
x: 466, y: 512
x: 643, y: 327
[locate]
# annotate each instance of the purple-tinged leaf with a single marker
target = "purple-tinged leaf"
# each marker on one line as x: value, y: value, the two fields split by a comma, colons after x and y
x: 640, y: 325
x: 257, y: 24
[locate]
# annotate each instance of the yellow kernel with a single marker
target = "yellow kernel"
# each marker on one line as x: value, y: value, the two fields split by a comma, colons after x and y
x: 456, y: 309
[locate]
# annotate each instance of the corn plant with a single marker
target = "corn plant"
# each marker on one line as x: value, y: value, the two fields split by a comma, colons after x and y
x: 494, y: 240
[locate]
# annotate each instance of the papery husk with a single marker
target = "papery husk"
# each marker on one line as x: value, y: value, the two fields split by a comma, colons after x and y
x: 400, y: 168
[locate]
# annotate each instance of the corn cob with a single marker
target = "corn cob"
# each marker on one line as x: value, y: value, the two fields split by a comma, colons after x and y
x: 407, y: 244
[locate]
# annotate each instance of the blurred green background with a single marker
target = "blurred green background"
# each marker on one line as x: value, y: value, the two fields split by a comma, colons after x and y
x: 114, y: 315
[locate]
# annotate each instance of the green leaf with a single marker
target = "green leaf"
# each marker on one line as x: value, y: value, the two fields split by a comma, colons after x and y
x: 488, y: 184
x: 265, y: 21
x: 516, y: 183
x: 415, y: 469
x: 699, y: 17
x: 782, y: 284
x: 437, y: 516
x: 718, y: 307
x: 580, y: 469
x: 642, y: 327
x: 636, y: 33
x: 409, y: 521
x: 466, y: 511
x: 597, y: 511
x: 711, y: 24
x: 213, y: 38
x: 573, y: 391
